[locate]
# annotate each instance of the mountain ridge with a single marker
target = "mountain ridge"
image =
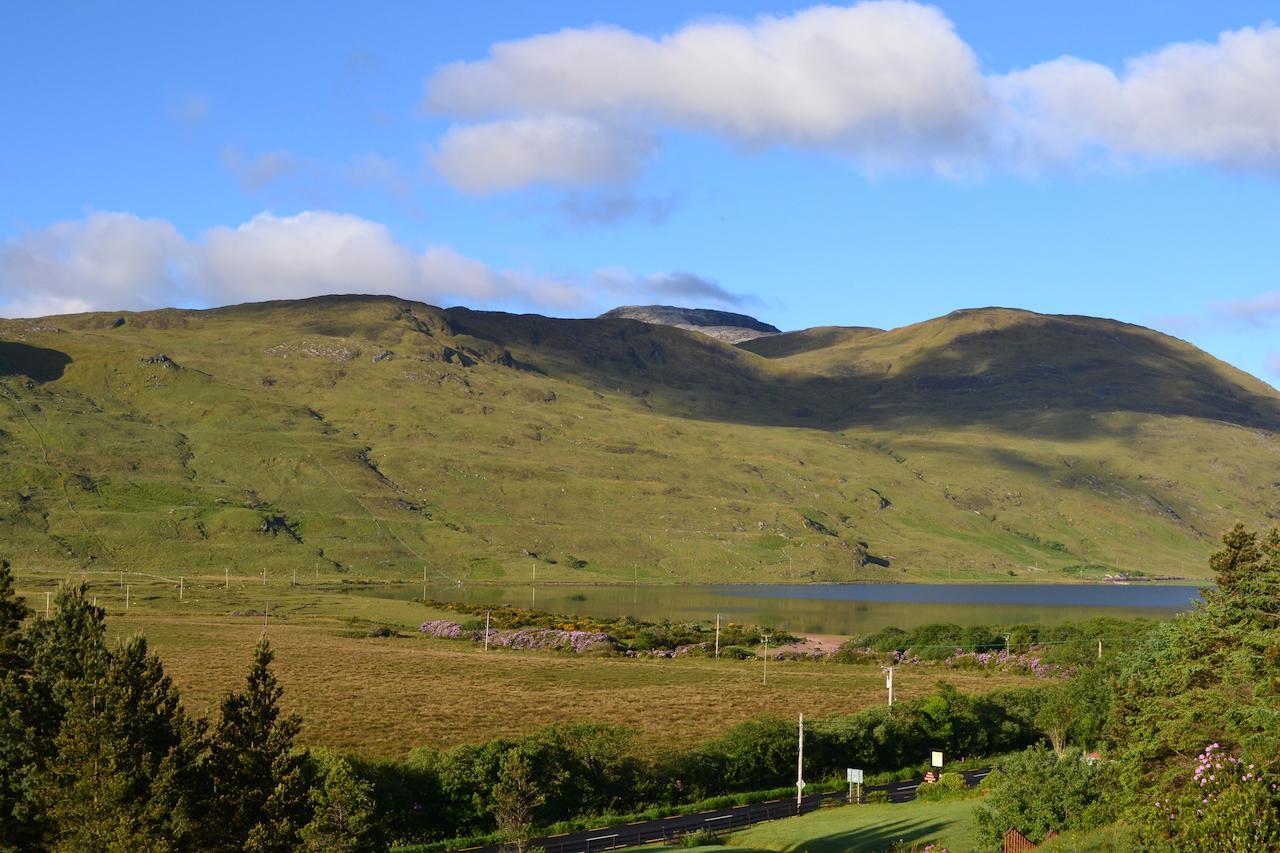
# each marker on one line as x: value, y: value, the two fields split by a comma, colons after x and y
x: 376, y: 435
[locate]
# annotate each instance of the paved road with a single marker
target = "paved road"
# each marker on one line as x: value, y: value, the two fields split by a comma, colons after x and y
x: 671, y: 828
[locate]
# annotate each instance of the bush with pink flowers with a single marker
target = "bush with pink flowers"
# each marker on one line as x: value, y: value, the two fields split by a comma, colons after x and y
x: 1227, y: 804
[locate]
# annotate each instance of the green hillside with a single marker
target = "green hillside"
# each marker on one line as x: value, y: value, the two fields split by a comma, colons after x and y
x: 372, y: 436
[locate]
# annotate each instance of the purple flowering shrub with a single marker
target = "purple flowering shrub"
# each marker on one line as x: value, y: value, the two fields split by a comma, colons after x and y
x: 556, y: 639
x: 1029, y: 662
x: 1228, y: 804
x: 1004, y: 661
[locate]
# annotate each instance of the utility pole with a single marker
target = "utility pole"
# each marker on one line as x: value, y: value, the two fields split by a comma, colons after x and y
x: 1099, y: 648
x: 766, y: 659
x: 800, y: 768
x: 182, y: 587
x: 46, y: 605
x: 1006, y: 643
x: 888, y: 682
x: 486, y: 630
x: 717, y: 635
x: 126, y: 597
x: 226, y: 578
x: 264, y: 575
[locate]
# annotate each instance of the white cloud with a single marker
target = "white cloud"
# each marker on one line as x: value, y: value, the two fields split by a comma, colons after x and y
x: 565, y: 150
x: 886, y: 83
x: 112, y: 261
x: 105, y: 259
x: 313, y: 252
x: 1210, y: 103
x: 889, y: 81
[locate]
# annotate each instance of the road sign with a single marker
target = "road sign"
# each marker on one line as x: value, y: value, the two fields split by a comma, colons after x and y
x: 800, y: 784
x: 855, y: 776
x: 935, y: 758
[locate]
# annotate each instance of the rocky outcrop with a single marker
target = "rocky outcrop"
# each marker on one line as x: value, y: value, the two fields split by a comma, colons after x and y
x: 722, y: 325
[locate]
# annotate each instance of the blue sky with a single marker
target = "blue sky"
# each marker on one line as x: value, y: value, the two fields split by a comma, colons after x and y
x: 877, y: 164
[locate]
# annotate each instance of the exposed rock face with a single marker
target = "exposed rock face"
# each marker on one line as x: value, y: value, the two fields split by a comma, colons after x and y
x: 722, y: 325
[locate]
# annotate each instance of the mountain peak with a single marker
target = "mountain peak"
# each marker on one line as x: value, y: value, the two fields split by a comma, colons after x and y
x: 723, y: 325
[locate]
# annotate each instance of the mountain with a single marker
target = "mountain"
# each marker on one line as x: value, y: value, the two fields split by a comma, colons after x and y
x: 721, y: 325
x: 373, y: 436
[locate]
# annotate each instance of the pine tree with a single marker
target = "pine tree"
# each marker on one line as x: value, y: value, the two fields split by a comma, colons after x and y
x: 60, y: 653
x: 258, y: 799
x: 13, y: 612
x: 67, y: 649
x: 19, y: 743
x: 124, y: 771
x: 1247, y: 571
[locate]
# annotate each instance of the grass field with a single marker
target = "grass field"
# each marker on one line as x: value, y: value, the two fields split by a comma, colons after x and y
x: 870, y: 828
x: 383, y: 696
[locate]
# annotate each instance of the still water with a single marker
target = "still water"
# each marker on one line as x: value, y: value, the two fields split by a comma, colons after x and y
x: 834, y: 608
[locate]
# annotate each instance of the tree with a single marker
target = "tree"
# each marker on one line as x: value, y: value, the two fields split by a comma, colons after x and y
x: 343, y: 810
x: 258, y: 796
x: 19, y: 742
x: 515, y: 798
x: 1057, y: 716
x: 123, y: 773
x: 49, y: 659
x: 1209, y: 676
x: 13, y: 612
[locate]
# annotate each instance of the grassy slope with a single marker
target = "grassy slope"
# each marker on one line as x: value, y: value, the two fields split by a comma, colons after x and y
x: 1004, y: 442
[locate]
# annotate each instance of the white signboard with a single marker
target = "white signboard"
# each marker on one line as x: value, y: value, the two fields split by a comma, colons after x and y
x: 935, y: 758
x: 855, y: 776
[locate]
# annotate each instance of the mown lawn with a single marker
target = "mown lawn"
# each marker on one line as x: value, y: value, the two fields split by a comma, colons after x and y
x: 869, y: 828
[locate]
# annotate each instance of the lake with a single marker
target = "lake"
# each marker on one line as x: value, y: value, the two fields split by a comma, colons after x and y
x: 833, y: 608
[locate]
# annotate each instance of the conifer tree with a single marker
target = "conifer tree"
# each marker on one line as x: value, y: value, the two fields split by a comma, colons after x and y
x: 258, y: 797
x: 123, y: 775
x: 13, y: 612
x: 60, y: 653
x: 19, y: 824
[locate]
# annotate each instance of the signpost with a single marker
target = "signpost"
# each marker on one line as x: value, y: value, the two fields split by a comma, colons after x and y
x: 855, y: 778
x: 800, y: 767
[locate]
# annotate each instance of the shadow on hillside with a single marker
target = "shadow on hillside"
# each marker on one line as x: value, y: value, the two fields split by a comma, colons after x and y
x: 36, y: 363
x: 1045, y: 376
x: 880, y: 837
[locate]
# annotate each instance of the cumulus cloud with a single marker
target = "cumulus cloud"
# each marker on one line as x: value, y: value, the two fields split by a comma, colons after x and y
x: 886, y: 83
x: 111, y: 261
x: 1213, y: 103
x: 105, y: 259
x: 889, y: 80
